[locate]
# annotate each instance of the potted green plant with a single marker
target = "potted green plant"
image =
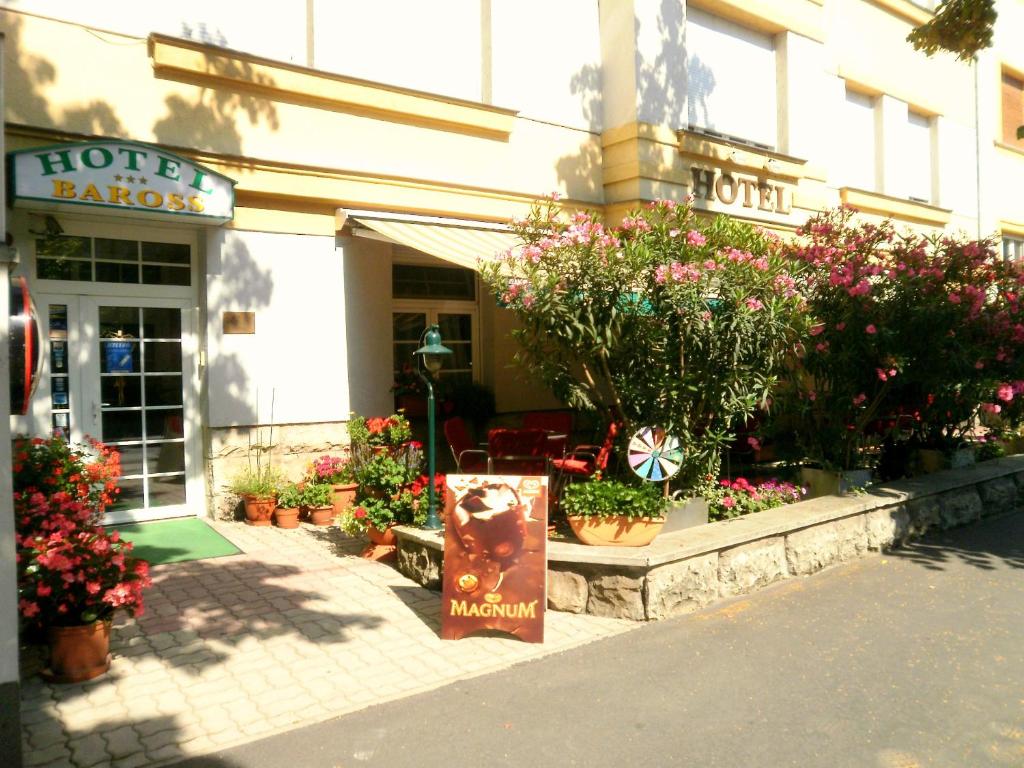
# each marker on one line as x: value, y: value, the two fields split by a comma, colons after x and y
x: 339, y: 473
x: 615, y: 513
x: 289, y: 500
x: 257, y: 488
x: 317, y: 500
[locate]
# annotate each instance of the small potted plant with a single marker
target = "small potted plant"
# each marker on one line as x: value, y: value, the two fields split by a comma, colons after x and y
x: 611, y: 512
x: 289, y: 500
x: 317, y: 499
x: 339, y: 473
x: 258, y: 490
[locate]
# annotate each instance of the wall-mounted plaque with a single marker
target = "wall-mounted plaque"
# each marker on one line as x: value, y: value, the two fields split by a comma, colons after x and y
x: 239, y: 322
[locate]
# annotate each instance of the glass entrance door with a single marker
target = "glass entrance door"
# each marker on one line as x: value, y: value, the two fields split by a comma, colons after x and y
x: 137, y: 394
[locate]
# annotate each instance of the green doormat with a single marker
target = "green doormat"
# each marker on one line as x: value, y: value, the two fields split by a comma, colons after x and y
x: 175, y: 541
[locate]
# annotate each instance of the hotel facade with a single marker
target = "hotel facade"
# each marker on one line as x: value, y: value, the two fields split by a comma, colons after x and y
x: 228, y: 222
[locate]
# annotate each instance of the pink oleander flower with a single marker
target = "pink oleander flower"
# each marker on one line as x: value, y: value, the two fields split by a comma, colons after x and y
x: 754, y: 304
x: 695, y: 238
x: 859, y: 399
x: 754, y: 443
x: 991, y: 407
x: 1005, y: 392
x: 870, y: 330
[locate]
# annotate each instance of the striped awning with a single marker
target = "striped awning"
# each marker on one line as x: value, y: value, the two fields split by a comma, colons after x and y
x: 459, y: 242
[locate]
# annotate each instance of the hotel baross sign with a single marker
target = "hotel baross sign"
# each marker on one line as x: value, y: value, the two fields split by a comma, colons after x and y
x: 121, y: 178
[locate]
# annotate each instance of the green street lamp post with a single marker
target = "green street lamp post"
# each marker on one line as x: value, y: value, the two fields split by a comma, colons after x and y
x: 431, y: 355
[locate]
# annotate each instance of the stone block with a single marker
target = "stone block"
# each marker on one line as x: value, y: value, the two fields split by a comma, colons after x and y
x: 851, y: 537
x: 811, y: 549
x: 681, y: 587
x: 567, y: 591
x: 616, y: 595
x: 420, y: 563
x: 887, y: 527
x: 998, y: 495
x: 751, y: 566
x: 959, y: 506
x: 925, y: 514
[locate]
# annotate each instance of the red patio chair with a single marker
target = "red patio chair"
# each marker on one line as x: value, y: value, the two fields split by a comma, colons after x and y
x: 586, y: 460
x: 468, y: 458
x: 518, y: 452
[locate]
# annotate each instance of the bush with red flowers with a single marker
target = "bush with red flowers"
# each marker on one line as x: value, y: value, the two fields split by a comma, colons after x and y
x: 71, y: 572
x: 86, y: 473
x: 905, y: 330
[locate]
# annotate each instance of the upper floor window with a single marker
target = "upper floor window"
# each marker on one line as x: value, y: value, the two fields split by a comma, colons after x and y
x: 1013, y: 109
x: 730, y: 79
x: 918, y: 154
x: 1013, y: 248
x: 856, y: 162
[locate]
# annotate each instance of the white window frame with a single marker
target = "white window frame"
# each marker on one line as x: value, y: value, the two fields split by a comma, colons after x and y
x: 717, y: 27
x: 1013, y: 247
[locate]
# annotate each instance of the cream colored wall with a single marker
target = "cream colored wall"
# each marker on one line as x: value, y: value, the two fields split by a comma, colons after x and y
x: 85, y: 93
x: 367, y: 300
x: 514, y: 388
x: 546, y: 60
x: 224, y: 22
x: 294, y: 368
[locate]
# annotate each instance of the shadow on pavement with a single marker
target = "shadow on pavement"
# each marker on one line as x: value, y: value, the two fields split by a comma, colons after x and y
x: 985, y: 545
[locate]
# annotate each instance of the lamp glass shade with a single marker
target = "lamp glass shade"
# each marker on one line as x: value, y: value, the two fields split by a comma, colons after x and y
x: 432, y: 351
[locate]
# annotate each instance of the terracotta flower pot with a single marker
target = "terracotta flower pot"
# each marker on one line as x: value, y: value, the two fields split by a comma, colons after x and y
x: 385, y: 538
x: 78, y: 653
x: 286, y: 517
x: 321, y: 515
x: 259, y: 510
x: 618, y: 531
x: 344, y: 495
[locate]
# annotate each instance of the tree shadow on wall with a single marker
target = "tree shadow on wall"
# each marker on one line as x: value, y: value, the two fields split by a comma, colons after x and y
x: 661, y: 98
x: 27, y: 75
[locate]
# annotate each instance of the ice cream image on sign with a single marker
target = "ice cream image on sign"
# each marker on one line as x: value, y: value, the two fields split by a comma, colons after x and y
x: 490, y: 521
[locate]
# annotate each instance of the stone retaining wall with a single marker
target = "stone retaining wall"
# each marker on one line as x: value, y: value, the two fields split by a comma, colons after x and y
x: 684, y: 571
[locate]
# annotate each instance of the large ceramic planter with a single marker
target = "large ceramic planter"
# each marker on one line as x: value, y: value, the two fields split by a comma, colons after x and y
x: 826, y: 482
x: 930, y: 460
x: 259, y: 510
x: 618, y: 531
x: 385, y: 538
x: 343, y: 496
x: 286, y: 517
x: 78, y: 653
x: 321, y: 515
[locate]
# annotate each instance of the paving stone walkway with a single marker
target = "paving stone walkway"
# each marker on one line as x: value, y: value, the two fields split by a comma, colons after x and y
x: 297, y: 630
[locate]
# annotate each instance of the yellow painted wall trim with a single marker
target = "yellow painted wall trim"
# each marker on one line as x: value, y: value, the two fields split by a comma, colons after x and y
x: 865, y: 81
x: 282, y: 222
x: 305, y: 188
x: 906, y: 10
x: 738, y: 155
x: 195, y: 62
x: 805, y: 17
x: 897, y: 208
x: 1015, y: 228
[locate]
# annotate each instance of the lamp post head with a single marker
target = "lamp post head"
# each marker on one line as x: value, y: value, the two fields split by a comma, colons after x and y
x: 432, y: 352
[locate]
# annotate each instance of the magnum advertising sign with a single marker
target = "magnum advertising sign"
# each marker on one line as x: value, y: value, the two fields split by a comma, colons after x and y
x: 495, y: 556
x: 120, y: 177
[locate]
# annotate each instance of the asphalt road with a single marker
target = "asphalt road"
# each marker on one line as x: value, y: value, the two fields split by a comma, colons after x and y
x: 914, y: 658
